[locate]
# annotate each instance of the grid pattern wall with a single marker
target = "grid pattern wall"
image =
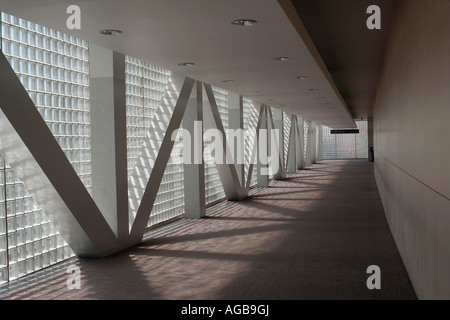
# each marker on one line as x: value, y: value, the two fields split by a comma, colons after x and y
x: 213, y: 185
x: 286, y: 134
x: 305, y: 141
x: 346, y: 146
x: 28, y: 240
x: 317, y: 132
x: 145, y: 87
x: 250, y: 123
x: 169, y: 202
x: 54, y: 69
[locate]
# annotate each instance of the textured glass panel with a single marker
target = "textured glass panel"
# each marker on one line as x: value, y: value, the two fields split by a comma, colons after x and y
x: 213, y: 185
x: 55, y: 73
x: 145, y: 87
x: 329, y: 145
x: 3, y: 226
x: 25, y: 231
x: 362, y: 140
x: 305, y: 140
x: 286, y: 134
x: 33, y: 55
x: 346, y: 146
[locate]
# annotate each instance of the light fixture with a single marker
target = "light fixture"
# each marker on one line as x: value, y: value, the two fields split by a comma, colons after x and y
x: 270, y: 99
x: 186, y: 64
x: 313, y: 90
x: 244, y: 22
x: 281, y: 58
x: 254, y: 92
x: 228, y: 81
x: 301, y: 77
x: 110, y: 32
x: 322, y: 98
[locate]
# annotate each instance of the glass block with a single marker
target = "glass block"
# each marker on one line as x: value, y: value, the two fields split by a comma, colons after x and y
x: 3, y: 242
x: 2, y: 224
x: 13, y: 271
x: 13, y: 254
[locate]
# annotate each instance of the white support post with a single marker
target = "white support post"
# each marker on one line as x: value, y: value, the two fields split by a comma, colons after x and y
x: 320, y: 144
x: 263, y: 150
x: 292, y: 151
x: 194, y: 173
x: 109, y: 138
x: 275, y: 117
x: 308, y: 144
x: 300, y: 143
x: 254, y: 159
x: 313, y: 144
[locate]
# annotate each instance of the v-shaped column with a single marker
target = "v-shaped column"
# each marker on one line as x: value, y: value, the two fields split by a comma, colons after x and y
x: 38, y: 160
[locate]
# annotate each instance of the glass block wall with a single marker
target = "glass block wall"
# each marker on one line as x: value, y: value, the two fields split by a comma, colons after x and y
x: 28, y: 240
x: 146, y: 85
x: 213, y: 186
x: 346, y: 146
x: 286, y: 134
x: 251, y: 116
x: 54, y: 69
x: 305, y: 141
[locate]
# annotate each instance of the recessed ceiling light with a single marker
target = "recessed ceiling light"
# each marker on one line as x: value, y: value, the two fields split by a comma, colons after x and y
x: 254, y: 92
x: 281, y: 58
x: 186, y: 64
x: 301, y: 77
x: 244, y: 22
x: 313, y: 90
x: 110, y: 32
x: 322, y: 98
x: 228, y: 81
x: 270, y: 100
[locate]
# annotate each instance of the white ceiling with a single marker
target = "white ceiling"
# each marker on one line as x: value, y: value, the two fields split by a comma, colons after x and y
x: 166, y: 32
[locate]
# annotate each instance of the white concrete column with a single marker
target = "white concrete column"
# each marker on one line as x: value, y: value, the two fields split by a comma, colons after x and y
x: 300, y: 143
x: 320, y: 144
x: 263, y: 150
x: 292, y: 151
x: 313, y: 142
x: 109, y: 137
x: 308, y: 145
x: 194, y: 173
x: 278, y: 124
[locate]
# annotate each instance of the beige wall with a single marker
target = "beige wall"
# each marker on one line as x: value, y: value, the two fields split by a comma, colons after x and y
x: 412, y: 141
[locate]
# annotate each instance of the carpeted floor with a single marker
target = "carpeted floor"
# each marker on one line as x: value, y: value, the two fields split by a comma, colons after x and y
x: 312, y: 236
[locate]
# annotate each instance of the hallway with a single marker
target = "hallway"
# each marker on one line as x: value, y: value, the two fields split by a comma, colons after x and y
x: 311, y: 236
